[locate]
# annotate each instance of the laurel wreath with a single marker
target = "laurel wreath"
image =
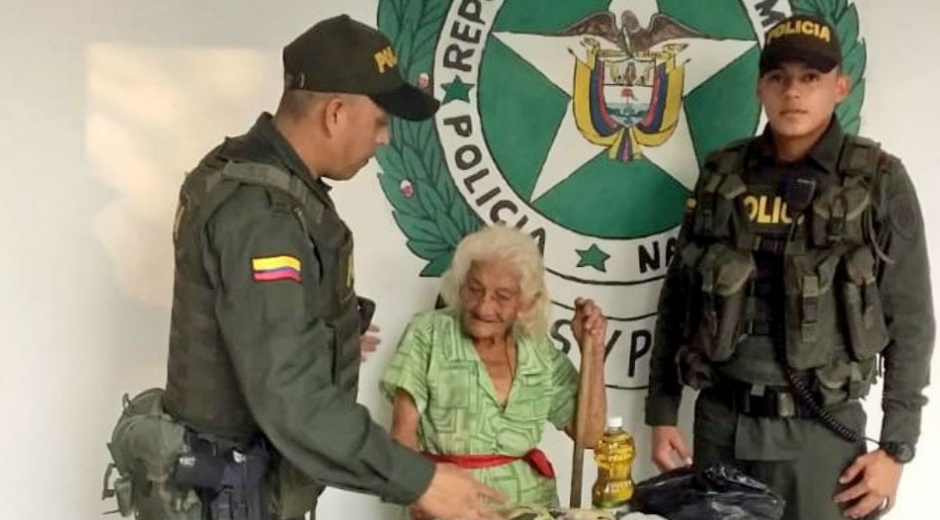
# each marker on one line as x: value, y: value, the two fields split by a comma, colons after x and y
x: 844, y: 18
x: 415, y: 179
x: 427, y: 205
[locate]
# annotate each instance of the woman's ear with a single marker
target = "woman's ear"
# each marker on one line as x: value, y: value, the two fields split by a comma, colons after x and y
x: 528, y: 306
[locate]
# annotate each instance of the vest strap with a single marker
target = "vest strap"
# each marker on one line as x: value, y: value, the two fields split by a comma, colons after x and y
x: 269, y: 176
x: 810, y: 307
x: 859, y: 156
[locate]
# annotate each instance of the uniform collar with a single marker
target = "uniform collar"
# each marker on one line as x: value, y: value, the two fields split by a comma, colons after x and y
x: 265, y: 130
x: 827, y: 150
x: 824, y: 154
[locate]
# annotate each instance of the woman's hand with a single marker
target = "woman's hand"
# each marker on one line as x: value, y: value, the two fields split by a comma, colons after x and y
x: 589, y: 322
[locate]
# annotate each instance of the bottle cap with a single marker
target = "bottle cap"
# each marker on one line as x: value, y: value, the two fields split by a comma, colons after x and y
x: 614, y: 422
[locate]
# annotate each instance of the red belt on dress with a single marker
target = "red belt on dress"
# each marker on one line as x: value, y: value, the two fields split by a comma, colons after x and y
x: 534, y: 457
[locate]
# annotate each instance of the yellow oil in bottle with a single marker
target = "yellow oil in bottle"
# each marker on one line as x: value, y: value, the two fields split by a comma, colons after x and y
x: 614, y: 455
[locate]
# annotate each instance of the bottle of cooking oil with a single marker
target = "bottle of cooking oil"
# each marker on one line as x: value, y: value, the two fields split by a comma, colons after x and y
x: 614, y: 455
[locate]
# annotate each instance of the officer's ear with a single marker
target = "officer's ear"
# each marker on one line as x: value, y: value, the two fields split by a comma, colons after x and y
x: 334, y: 110
x: 843, y: 85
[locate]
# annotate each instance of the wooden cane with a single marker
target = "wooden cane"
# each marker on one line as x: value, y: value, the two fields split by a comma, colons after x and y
x: 581, y: 418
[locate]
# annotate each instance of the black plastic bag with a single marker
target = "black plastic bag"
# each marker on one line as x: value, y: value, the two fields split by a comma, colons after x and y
x: 716, y: 492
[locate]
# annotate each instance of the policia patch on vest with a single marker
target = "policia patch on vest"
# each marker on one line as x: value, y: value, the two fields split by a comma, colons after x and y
x: 766, y: 210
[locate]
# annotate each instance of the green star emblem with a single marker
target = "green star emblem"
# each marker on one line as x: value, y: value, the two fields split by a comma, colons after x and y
x: 593, y: 257
x: 456, y: 90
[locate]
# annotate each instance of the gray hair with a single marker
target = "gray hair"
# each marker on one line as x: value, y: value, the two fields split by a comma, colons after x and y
x: 520, y: 250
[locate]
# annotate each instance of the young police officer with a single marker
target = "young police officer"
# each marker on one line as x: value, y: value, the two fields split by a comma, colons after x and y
x: 802, y: 264
x: 265, y: 334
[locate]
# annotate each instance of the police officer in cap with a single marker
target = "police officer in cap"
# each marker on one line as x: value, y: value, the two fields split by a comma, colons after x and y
x: 801, y: 277
x: 266, y: 324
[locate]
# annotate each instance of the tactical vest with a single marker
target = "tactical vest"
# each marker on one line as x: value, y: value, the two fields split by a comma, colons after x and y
x: 834, y: 326
x: 201, y: 387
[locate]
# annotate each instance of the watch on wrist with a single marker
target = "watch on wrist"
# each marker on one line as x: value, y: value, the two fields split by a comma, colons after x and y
x: 901, y: 452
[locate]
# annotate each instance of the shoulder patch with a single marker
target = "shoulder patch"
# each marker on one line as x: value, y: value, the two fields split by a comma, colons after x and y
x: 904, y: 216
x: 273, y: 268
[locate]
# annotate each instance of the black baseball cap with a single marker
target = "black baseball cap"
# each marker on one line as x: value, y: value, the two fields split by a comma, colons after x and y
x: 340, y: 54
x: 801, y: 38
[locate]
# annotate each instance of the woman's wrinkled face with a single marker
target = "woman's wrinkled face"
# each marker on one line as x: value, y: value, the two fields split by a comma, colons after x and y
x: 491, y: 300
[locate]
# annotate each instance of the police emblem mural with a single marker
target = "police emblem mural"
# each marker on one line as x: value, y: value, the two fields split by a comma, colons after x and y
x: 583, y: 124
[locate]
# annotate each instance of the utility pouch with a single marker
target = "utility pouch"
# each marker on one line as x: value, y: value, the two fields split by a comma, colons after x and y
x: 861, y: 303
x: 145, y: 445
x: 843, y: 380
x: 725, y: 275
x: 714, y: 214
x: 121, y: 490
x: 837, y: 215
x: 812, y: 330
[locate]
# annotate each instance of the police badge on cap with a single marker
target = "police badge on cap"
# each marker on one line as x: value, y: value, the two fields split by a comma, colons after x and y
x: 342, y: 55
x: 801, y: 38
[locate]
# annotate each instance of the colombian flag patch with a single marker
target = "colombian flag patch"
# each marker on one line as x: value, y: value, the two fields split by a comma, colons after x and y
x: 272, y: 268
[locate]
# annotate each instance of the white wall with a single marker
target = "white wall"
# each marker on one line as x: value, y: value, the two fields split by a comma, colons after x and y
x: 105, y: 104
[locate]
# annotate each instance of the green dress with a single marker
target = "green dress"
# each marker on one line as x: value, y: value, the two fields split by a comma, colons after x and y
x: 438, y: 366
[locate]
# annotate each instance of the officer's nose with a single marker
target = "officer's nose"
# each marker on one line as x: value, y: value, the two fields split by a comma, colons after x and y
x: 791, y: 87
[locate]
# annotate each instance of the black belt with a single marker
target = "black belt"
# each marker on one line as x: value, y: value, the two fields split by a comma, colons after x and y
x: 760, y: 401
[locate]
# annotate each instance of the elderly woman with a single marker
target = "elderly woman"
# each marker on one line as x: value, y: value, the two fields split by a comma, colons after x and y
x: 474, y: 384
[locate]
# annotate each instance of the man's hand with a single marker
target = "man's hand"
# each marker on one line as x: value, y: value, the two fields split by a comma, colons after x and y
x: 370, y: 341
x: 874, y: 479
x: 668, y: 446
x: 416, y: 514
x: 454, y: 494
